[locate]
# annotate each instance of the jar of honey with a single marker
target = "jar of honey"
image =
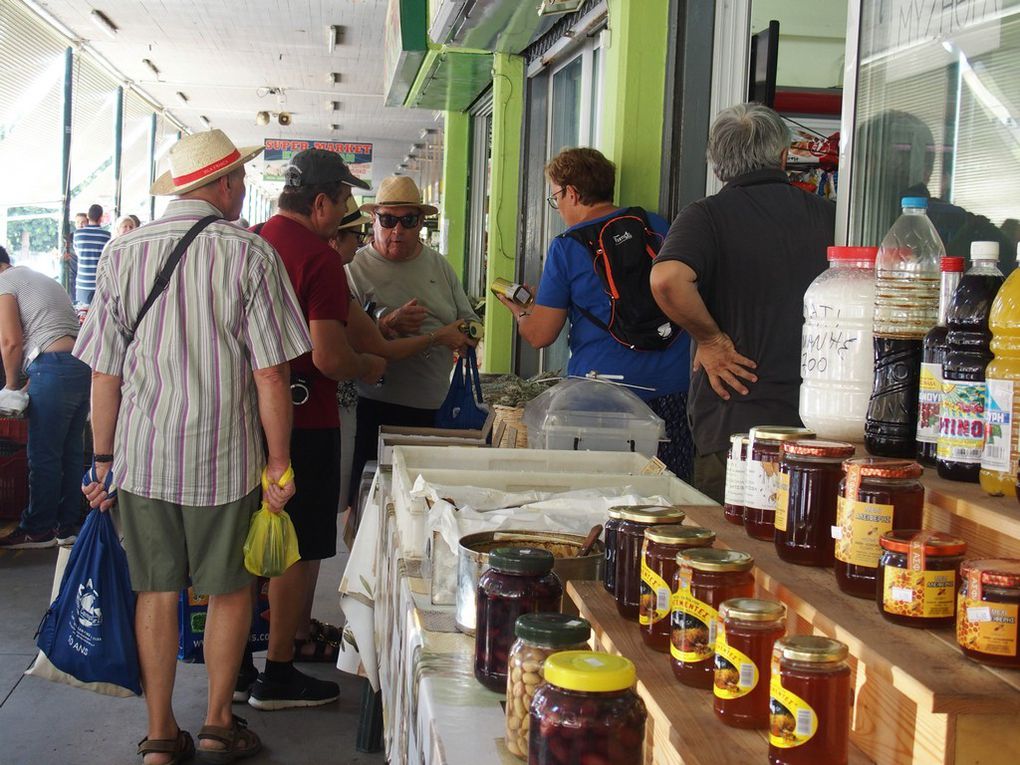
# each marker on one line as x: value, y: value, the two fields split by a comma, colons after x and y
x: 919, y: 577
x: 876, y: 495
x: 761, y: 485
x: 810, y: 702
x: 630, y: 538
x: 747, y: 631
x: 704, y: 578
x: 658, y: 567
x: 736, y: 472
x: 987, y: 610
x: 611, y: 527
x: 809, y: 476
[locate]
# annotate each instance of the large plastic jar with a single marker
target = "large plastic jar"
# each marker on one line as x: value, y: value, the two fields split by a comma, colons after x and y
x: 539, y: 636
x: 761, y: 489
x: 587, y: 712
x: 837, y: 361
x: 987, y: 612
x: 747, y: 631
x: 736, y: 473
x: 520, y: 581
x: 630, y: 539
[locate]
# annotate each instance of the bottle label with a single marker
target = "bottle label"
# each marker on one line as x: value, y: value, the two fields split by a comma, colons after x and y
x: 735, y: 472
x: 693, y: 624
x: 761, y: 485
x: 860, y: 525
x: 929, y: 403
x: 924, y: 594
x: 782, y: 501
x: 998, y: 451
x: 962, y: 422
x: 655, y: 597
x: 792, y: 721
x: 987, y: 627
x: 735, y: 672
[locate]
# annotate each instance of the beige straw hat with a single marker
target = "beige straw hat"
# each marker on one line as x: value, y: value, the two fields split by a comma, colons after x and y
x: 199, y: 159
x: 354, y: 218
x: 399, y: 191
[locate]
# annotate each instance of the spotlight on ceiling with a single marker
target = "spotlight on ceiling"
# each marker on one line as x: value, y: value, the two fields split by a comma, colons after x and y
x: 262, y: 118
x: 283, y: 118
x: 334, y: 106
x: 335, y: 128
x: 102, y: 21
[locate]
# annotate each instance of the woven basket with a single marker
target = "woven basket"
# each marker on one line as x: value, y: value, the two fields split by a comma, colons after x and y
x: 515, y: 433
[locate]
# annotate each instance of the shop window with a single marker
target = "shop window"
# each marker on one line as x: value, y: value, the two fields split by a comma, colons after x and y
x: 480, y: 185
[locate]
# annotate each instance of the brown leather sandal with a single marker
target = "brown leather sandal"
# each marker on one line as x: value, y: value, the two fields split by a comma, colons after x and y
x: 181, y: 748
x: 324, y: 640
x: 238, y: 742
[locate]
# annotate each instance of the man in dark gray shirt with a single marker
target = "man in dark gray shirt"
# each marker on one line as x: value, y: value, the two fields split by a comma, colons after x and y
x: 732, y: 272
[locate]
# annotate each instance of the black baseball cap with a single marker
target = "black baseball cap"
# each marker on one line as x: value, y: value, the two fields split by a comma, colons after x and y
x: 313, y: 167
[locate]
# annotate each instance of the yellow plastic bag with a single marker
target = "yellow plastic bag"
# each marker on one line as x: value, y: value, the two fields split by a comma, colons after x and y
x: 271, y: 547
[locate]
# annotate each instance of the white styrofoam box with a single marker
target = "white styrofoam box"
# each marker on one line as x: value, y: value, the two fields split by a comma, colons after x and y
x: 411, y: 458
x: 597, y: 431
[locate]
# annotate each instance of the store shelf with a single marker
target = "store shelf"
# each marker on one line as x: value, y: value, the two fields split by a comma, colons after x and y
x: 682, y: 728
x: 991, y: 525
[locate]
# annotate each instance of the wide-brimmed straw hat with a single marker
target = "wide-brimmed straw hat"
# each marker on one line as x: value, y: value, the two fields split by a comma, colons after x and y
x: 354, y: 217
x: 199, y: 159
x: 399, y: 191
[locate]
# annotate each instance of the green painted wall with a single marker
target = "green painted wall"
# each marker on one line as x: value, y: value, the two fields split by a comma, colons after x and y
x: 632, y: 109
x: 456, y: 161
x: 507, y: 125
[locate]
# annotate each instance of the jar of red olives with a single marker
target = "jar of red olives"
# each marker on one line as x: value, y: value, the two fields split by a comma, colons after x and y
x: 761, y: 486
x: 748, y: 628
x: 587, y: 712
x: 876, y: 495
x: 520, y: 580
x: 610, y: 529
x: 986, y: 614
x: 704, y: 578
x: 809, y: 476
x: 736, y: 472
x: 918, y: 577
x: 658, y: 567
x: 630, y: 538
x: 810, y: 702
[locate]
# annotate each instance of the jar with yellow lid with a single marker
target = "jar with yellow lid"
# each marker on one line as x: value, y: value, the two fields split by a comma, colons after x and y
x: 704, y: 578
x: 630, y: 537
x: 810, y: 702
x: 748, y: 629
x: 918, y: 577
x: 987, y: 612
x: 658, y: 567
x: 587, y: 712
x: 761, y: 483
x: 610, y: 530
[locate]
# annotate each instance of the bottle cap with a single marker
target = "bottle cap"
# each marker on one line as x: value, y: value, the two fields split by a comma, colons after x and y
x: 916, y: 203
x: 954, y: 265
x: 852, y: 253
x: 521, y: 560
x: 589, y: 672
x: 984, y: 250
x: 553, y: 630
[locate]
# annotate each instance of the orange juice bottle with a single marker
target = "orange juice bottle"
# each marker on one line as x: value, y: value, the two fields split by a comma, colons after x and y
x: 1002, y: 409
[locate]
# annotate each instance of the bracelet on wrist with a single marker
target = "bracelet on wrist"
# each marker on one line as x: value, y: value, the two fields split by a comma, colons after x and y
x: 101, y: 458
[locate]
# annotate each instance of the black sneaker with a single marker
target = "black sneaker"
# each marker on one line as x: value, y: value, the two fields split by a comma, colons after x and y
x: 298, y: 691
x: 245, y: 680
x: 19, y: 539
x: 67, y: 535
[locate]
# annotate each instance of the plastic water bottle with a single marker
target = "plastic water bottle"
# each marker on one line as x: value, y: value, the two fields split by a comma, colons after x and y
x: 836, y: 353
x: 906, y: 307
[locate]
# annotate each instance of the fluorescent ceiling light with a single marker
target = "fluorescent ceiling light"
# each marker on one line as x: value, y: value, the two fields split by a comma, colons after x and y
x: 102, y: 21
x: 335, y: 36
x: 152, y: 67
x: 335, y: 77
x: 335, y: 128
x: 205, y: 119
x: 182, y: 97
x: 335, y: 105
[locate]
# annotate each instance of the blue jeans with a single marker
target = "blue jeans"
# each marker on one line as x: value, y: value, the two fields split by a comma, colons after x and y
x: 84, y: 296
x: 58, y: 406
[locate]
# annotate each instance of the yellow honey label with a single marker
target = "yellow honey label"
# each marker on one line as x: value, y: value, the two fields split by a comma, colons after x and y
x: 692, y: 629
x: 859, y: 526
x: 987, y: 627
x: 925, y: 594
x: 782, y: 501
x: 655, y: 600
x: 736, y: 674
x: 792, y: 721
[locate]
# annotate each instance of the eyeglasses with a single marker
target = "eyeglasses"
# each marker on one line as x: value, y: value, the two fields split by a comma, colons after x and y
x: 553, y: 201
x: 360, y: 237
x: 390, y: 221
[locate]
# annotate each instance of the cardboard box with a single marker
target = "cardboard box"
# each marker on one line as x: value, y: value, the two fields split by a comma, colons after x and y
x: 394, y: 435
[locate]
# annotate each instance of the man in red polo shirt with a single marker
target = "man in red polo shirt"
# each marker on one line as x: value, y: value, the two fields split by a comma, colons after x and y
x: 313, y: 202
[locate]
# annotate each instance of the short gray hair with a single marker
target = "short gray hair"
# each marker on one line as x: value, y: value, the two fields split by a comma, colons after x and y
x: 745, y: 138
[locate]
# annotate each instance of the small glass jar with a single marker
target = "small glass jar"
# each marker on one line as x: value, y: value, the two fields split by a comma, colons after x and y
x: 809, y: 476
x: 520, y: 580
x: 587, y: 711
x: 748, y: 628
x: 918, y: 576
x: 630, y: 538
x: 987, y: 612
x: 704, y: 578
x: 876, y: 495
x: 761, y: 486
x: 736, y: 473
x: 658, y: 567
x: 539, y: 636
x: 610, y: 529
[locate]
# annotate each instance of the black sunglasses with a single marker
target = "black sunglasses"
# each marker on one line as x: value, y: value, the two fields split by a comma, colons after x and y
x: 390, y: 221
x: 360, y: 236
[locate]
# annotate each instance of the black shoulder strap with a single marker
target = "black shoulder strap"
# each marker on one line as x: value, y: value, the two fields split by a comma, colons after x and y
x: 163, y: 279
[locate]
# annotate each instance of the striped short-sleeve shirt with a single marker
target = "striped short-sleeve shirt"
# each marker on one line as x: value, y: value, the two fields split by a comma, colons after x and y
x: 89, y: 242
x: 188, y: 427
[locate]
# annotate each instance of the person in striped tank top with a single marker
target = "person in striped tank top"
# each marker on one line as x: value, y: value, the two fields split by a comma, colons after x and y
x: 89, y: 241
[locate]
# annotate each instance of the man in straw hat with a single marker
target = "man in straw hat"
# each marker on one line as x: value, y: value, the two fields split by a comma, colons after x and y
x: 180, y: 398
x: 413, y: 291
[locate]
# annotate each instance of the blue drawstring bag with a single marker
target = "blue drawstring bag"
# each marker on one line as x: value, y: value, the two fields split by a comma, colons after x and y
x: 463, y: 408
x: 87, y: 637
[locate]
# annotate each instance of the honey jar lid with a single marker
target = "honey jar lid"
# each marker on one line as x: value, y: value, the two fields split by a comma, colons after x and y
x: 553, y: 630
x: 752, y: 609
x: 813, y: 649
x: 674, y: 534
x: 936, y: 545
x: 741, y: 438
x: 521, y: 560
x: 615, y: 512
x: 653, y: 514
x: 882, y: 467
x: 996, y: 572
x: 713, y: 559
x: 819, y: 448
x: 589, y: 672
x: 779, y: 433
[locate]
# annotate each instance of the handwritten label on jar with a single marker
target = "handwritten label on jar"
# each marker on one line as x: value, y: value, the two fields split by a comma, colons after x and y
x: 987, y: 627
x: 761, y: 485
x: 962, y: 422
x: 826, y: 345
x: 929, y: 403
x: 792, y: 721
x: 927, y: 594
x: 735, y: 472
x: 782, y: 501
x: 735, y: 673
x: 997, y: 454
x: 859, y: 526
x: 693, y: 624
x: 655, y: 597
